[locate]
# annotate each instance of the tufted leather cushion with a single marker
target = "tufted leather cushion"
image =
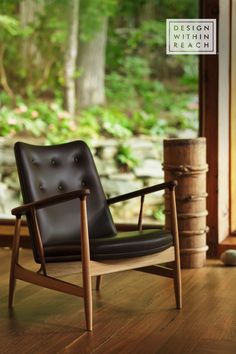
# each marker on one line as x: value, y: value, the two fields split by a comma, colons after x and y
x: 45, y: 171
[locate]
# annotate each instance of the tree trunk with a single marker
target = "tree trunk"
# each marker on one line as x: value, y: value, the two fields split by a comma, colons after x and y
x: 71, y: 54
x: 29, y: 10
x: 3, y: 75
x: 91, y: 64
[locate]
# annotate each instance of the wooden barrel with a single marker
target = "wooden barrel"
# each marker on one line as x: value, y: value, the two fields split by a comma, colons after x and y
x: 185, y: 161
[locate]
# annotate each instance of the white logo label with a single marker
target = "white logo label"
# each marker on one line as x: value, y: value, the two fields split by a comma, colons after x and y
x: 191, y: 36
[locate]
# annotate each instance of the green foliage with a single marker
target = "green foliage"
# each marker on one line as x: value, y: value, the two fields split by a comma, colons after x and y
x: 147, y: 92
x: 91, y: 14
x: 115, y: 123
x: 190, y: 75
x: 130, y: 7
x: 142, y: 42
x: 9, y: 24
x: 149, y: 124
x: 133, y: 82
x: 159, y: 215
x: 50, y: 122
x: 178, y: 9
x: 40, y: 119
x: 150, y: 34
x: 125, y: 157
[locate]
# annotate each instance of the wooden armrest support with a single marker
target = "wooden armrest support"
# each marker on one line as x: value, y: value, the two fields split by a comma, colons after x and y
x: 141, y: 192
x: 59, y: 198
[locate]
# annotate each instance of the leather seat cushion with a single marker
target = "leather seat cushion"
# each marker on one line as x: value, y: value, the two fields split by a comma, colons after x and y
x: 124, y: 244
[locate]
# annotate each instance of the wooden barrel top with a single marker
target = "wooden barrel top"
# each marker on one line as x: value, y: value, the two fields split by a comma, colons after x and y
x: 181, y: 142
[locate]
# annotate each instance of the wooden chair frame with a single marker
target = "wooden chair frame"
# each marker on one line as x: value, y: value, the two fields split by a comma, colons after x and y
x: 89, y: 267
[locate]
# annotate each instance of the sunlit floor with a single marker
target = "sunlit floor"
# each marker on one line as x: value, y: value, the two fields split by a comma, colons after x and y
x: 133, y: 313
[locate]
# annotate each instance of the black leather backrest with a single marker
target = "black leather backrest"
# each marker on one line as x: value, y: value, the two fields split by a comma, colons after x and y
x: 45, y: 171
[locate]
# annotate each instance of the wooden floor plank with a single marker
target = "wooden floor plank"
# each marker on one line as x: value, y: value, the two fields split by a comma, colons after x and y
x: 133, y: 313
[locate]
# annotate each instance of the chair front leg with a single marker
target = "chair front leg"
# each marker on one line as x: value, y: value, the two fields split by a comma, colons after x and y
x: 14, y: 260
x: 85, y: 253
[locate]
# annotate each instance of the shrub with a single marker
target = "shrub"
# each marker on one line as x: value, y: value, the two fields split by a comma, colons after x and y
x: 125, y: 158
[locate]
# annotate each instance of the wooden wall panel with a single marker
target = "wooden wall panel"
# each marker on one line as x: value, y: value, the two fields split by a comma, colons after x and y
x: 233, y: 119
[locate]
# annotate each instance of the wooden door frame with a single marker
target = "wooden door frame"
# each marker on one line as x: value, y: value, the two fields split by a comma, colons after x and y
x: 208, y: 127
x: 232, y: 121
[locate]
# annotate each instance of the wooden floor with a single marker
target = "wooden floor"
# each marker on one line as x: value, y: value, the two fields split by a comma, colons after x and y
x: 133, y: 313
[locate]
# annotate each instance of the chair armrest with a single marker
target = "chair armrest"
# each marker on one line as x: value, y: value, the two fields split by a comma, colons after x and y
x: 141, y: 192
x: 56, y: 199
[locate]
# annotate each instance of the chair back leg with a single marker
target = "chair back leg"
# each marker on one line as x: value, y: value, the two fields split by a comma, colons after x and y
x: 98, y: 282
x: 177, y: 287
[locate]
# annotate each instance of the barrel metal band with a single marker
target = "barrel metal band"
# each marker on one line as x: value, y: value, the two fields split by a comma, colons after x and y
x: 189, y: 198
x: 180, y: 170
x: 194, y: 250
x: 189, y: 215
x: 190, y: 233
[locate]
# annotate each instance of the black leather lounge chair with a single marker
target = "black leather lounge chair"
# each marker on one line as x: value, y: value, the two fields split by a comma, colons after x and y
x: 70, y: 222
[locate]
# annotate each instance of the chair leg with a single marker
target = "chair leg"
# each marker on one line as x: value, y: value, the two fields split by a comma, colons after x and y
x: 12, y: 284
x: 14, y: 260
x: 177, y: 285
x: 98, y: 282
x: 87, y: 279
x: 88, y: 304
x: 177, y: 269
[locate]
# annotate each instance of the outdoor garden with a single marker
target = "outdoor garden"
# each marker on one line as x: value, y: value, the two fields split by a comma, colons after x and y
x: 95, y: 70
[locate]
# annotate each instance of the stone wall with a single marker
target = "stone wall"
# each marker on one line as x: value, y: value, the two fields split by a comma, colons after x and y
x: 148, y: 171
x: 148, y: 153
x: 9, y: 186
